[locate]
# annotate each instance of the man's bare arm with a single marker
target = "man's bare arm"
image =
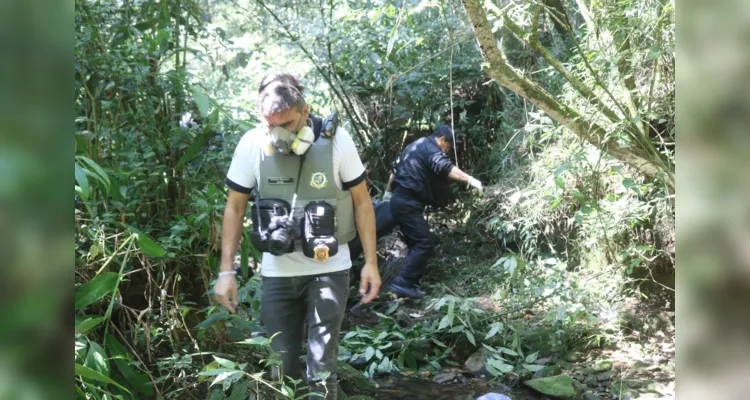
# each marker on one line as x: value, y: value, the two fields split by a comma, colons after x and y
x: 364, y: 215
x: 231, y: 229
x: 457, y: 175
x: 388, y: 186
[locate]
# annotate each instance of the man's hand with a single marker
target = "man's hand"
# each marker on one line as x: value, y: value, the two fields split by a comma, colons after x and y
x: 225, y: 292
x: 369, y: 283
x: 387, y: 196
x: 477, y: 185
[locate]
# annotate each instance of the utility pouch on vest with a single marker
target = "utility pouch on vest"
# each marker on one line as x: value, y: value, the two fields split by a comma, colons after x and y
x: 273, y: 231
x: 319, y: 231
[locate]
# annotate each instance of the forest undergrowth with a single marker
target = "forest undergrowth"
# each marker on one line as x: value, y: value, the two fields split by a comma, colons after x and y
x: 563, y: 268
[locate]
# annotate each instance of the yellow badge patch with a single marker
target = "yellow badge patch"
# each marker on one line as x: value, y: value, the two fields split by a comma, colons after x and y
x: 321, y: 253
x: 319, y: 180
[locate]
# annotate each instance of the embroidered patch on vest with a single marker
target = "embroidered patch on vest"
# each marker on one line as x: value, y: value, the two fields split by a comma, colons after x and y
x: 319, y: 180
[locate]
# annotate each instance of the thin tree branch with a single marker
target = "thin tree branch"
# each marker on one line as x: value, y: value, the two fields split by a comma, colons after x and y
x: 532, y: 41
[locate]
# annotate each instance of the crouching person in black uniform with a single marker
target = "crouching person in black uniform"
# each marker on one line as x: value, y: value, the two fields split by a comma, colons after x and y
x: 419, y: 178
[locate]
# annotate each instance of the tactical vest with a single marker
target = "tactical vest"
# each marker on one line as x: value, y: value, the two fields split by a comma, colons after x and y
x: 278, y: 175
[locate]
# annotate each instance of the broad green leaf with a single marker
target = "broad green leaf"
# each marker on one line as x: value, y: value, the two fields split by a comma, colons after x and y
x: 87, y: 323
x: 97, y: 359
x: 507, y: 351
x: 578, y: 196
x: 559, y: 182
x: 213, y: 318
x: 256, y: 341
x: 198, y: 144
x: 511, y: 264
x: 443, y: 323
x: 378, y: 354
x: 101, y: 174
x: 202, y: 101
x: 224, y: 362
x: 227, y: 375
x: 439, y: 343
x: 121, y: 357
x: 80, y: 346
x: 350, y: 335
x: 392, y: 308
x: 371, y: 369
x: 217, y: 372
x: 208, y: 367
x: 493, y: 331
x: 288, y: 391
x: 390, y: 11
x: 90, y: 374
x: 556, y: 202
x: 83, y: 182
x: 532, y: 357
x: 95, y: 289
x: 492, y: 370
x: 441, y: 303
x: 239, y: 391
x: 147, y: 246
x: 369, y: 352
x: 381, y: 315
x: 499, y: 365
x: 385, y: 365
x: 533, y: 367
x: 470, y: 336
x: 391, y: 42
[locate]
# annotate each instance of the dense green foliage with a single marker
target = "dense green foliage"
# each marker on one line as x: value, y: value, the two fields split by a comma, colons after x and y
x: 565, y: 231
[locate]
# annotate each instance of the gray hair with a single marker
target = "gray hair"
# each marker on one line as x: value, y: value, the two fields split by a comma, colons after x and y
x: 278, y: 97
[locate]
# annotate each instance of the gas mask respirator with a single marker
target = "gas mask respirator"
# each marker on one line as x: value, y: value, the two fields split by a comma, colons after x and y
x: 287, y: 142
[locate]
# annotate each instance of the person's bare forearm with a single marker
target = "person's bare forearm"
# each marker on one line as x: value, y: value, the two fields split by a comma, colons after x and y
x: 388, y: 186
x: 231, y: 231
x: 457, y: 175
x: 364, y: 215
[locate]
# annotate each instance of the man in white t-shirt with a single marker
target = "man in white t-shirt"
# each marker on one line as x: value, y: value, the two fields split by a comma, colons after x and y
x: 297, y: 287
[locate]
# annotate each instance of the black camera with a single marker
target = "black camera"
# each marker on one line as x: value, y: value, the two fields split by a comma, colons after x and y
x: 283, y: 231
x: 274, y: 231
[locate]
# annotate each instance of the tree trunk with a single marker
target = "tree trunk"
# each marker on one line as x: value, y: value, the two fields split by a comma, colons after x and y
x: 498, y: 69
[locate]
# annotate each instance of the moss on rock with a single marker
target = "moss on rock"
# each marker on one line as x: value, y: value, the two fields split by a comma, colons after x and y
x: 353, y: 382
x: 561, y: 386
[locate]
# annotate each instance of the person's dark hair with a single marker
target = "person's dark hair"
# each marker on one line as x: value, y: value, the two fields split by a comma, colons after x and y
x: 282, y: 77
x: 445, y: 131
x: 278, y: 97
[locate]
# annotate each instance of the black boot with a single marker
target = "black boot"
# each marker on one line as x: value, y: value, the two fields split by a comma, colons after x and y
x: 404, y: 288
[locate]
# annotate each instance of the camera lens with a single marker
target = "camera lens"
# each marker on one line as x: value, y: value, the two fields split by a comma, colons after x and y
x: 280, y: 241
